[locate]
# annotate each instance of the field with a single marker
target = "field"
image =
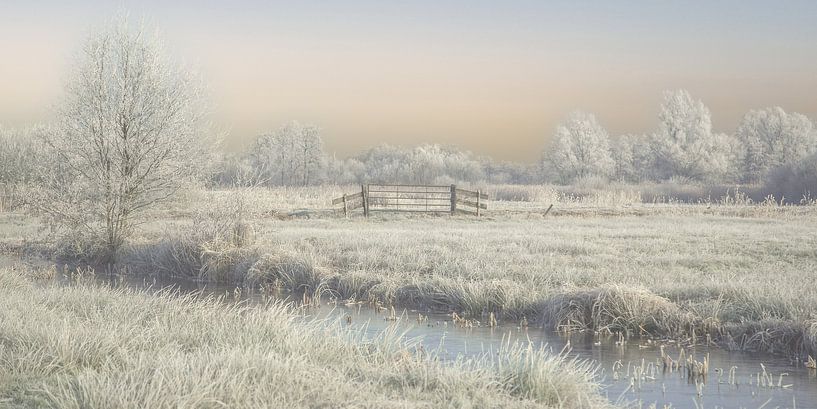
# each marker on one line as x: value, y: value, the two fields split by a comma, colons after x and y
x: 731, y: 271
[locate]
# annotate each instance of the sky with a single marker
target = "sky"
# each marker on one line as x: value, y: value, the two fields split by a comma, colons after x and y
x: 489, y: 76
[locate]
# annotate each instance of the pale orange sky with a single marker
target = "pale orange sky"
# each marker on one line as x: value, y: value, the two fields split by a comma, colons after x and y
x: 493, y: 78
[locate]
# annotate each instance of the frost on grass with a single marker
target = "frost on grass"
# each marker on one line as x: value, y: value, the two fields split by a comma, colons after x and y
x: 87, y: 346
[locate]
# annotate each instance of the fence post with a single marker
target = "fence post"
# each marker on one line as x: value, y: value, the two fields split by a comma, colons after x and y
x: 548, y: 210
x: 453, y: 199
x: 365, y: 198
x: 478, y: 193
x: 345, y: 208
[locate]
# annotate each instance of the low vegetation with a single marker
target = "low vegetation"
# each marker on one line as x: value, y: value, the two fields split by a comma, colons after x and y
x: 601, y: 260
x: 730, y: 270
x: 88, y: 346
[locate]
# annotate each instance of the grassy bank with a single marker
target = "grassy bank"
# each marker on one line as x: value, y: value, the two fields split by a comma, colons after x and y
x: 86, y: 346
x: 742, y: 279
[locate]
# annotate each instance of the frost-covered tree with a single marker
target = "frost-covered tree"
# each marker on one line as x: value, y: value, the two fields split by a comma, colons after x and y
x: 580, y: 148
x: 432, y: 163
x: 129, y: 135
x: 344, y: 171
x: 632, y: 157
x: 235, y: 170
x: 271, y: 158
x: 292, y: 155
x: 22, y: 159
x: 770, y: 138
x: 684, y: 144
x: 428, y: 163
x: 386, y: 164
x: 21, y: 156
x: 310, y: 154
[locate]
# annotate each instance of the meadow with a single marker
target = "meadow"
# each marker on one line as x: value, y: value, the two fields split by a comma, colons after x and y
x: 729, y: 268
x: 728, y: 271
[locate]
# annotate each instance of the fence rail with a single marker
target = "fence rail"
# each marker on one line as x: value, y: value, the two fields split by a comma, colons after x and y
x: 413, y: 198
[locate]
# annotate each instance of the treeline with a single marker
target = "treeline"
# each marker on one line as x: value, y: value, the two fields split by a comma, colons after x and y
x: 294, y: 155
x: 769, y: 146
x: 684, y: 147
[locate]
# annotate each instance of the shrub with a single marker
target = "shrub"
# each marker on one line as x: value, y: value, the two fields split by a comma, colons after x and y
x: 796, y: 182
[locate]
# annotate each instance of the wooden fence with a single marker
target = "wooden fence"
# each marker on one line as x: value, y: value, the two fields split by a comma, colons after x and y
x: 414, y: 198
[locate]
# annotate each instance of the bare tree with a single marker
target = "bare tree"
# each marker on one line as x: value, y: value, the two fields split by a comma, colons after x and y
x: 310, y: 150
x: 266, y: 159
x: 292, y: 155
x: 129, y: 135
x: 580, y: 148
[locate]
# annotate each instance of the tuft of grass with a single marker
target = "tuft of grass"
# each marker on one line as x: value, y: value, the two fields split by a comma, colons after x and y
x: 296, y: 273
x: 535, y: 373
x: 616, y: 308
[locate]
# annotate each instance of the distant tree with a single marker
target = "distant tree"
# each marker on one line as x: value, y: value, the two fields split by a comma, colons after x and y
x: 684, y: 144
x: 432, y: 163
x: 632, y: 157
x: 236, y: 170
x: 580, y: 148
x: 386, y: 164
x: 428, y: 163
x: 292, y: 155
x: 271, y: 158
x: 462, y: 166
x: 310, y: 154
x: 22, y: 160
x: 21, y: 156
x: 510, y: 172
x: 344, y: 171
x: 129, y: 136
x: 771, y: 138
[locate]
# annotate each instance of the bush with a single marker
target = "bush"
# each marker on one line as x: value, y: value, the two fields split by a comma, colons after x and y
x: 795, y: 182
x: 216, y: 247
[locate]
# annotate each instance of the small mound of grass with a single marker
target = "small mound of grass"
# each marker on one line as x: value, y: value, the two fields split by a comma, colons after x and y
x: 615, y: 308
x: 295, y: 273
